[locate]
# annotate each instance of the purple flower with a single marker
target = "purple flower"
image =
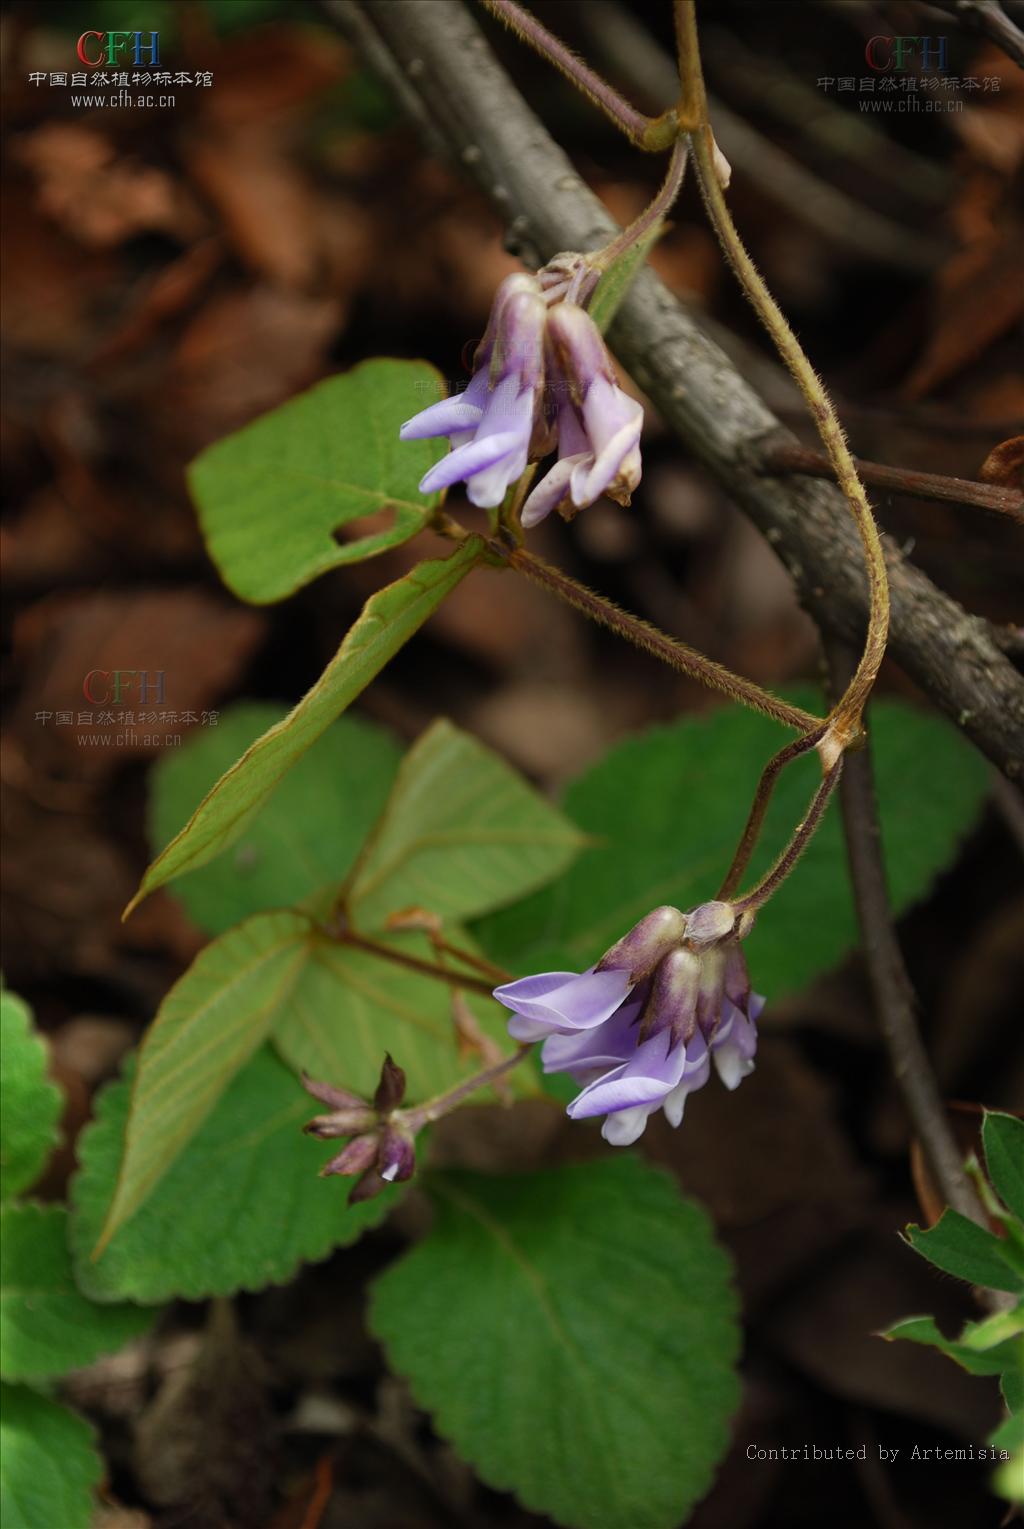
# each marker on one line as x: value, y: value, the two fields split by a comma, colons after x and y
x: 640, y: 1030
x: 491, y: 425
x: 561, y: 1003
x: 542, y: 377
x: 598, y: 424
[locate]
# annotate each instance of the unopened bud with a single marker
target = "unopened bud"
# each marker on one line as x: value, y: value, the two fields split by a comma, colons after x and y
x: 647, y: 943
x: 337, y: 1098
x: 710, y: 923
x: 391, y: 1088
x: 672, y: 1004
x: 396, y: 1160
x: 355, y: 1158
x: 345, y: 1122
x: 368, y: 1187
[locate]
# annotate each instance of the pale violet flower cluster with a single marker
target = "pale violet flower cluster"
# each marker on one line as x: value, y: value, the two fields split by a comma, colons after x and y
x: 542, y: 381
x: 640, y: 1030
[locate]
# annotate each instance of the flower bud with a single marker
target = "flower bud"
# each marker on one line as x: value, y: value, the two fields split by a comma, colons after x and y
x: 355, y: 1158
x: 639, y: 951
x: 350, y: 1114
x: 396, y: 1159
x: 580, y: 353
x: 672, y: 1004
x: 337, y: 1098
x: 391, y: 1088
x: 710, y: 923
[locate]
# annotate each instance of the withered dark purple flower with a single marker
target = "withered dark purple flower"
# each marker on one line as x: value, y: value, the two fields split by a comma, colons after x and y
x: 382, y: 1149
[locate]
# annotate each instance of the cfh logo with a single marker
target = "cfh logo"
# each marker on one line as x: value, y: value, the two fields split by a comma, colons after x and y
x: 103, y: 686
x: 107, y: 49
x: 885, y: 53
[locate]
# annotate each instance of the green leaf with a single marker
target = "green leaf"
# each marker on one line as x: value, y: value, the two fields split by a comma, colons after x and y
x: 47, y: 1326
x: 271, y: 496
x: 1010, y: 1435
x: 993, y: 1330
x: 351, y: 1006
x: 30, y: 1105
x: 206, y: 1029
x: 959, y: 1247
x: 1008, y: 1479
x: 618, y: 278
x: 574, y: 1333
x: 308, y: 834
x: 49, y: 1466
x: 1011, y: 1384
x: 241, y: 1208
x: 387, y: 621
x: 667, y: 809
x: 1003, y: 1138
x: 992, y: 1360
x: 462, y: 833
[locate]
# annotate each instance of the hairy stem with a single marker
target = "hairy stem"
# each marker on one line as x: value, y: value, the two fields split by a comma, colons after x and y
x: 443, y: 1104
x: 652, y: 214
x: 804, y: 832
x: 765, y: 786
x: 845, y: 718
x: 677, y: 655
x: 890, y: 984
x: 650, y: 133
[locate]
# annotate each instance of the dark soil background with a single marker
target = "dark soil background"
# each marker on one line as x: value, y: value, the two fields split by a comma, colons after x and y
x: 169, y: 275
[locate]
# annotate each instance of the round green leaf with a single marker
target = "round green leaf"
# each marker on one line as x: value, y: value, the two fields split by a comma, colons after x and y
x: 30, y: 1105
x: 272, y: 495
x: 49, y: 1466
x: 47, y: 1326
x: 241, y: 1207
x: 574, y: 1334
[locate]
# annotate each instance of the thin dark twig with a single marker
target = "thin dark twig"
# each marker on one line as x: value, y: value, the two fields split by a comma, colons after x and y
x: 895, y: 1004
x: 783, y: 457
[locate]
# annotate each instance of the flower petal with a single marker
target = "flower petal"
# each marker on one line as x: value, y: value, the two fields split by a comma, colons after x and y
x: 731, y: 1066
x: 696, y: 1073
x: 562, y: 1002
x: 598, y: 1050
x: 442, y: 418
x: 466, y: 460
x: 625, y: 1127
x: 654, y: 1071
x: 617, y: 459
x: 549, y: 493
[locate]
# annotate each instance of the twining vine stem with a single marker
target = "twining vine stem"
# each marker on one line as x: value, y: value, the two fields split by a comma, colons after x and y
x: 693, y: 117
x: 642, y: 634
x: 650, y: 133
